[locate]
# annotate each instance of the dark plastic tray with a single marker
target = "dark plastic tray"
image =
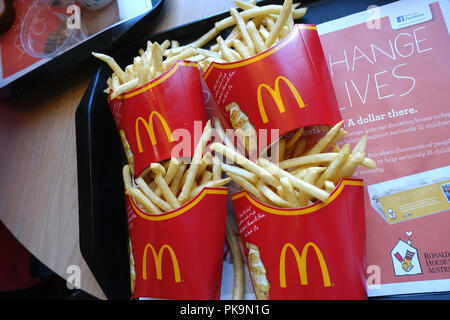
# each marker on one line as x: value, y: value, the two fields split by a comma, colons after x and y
x: 102, y: 216
x: 79, y: 55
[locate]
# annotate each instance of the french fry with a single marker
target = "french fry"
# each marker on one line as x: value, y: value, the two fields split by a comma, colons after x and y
x: 289, y: 192
x: 157, y: 60
x: 361, y: 145
x: 126, y: 177
x: 250, y: 176
x: 127, y: 149
x: 281, y: 21
x: 166, y: 44
x: 296, y: 182
x: 163, y: 205
x: 310, y: 177
x: 314, y: 159
x: 336, y: 148
x: 238, y: 261
x: 234, y: 34
x: 127, y: 86
x: 339, y: 135
x: 281, y: 149
x: 369, y: 163
x: 349, y: 167
x: 300, y: 148
x: 217, y: 169
x: 240, y: 23
x: 244, y: 162
x: 299, y: 13
x: 206, y: 176
x: 184, y: 54
x: 241, y: 49
x: 272, y: 196
x: 142, y: 200
x: 226, y: 52
x: 209, y: 184
x: 247, y: 185
x: 222, y: 135
x: 168, y: 194
x: 176, y: 182
x: 206, y: 160
x: 196, y: 158
x: 292, y: 141
x: 329, y: 186
x: 334, y: 166
x: 172, y: 170
x: 157, y: 168
x: 112, y: 64
x: 325, y: 140
x: 207, y: 37
x: 263, y: 32
x: 248, y: 14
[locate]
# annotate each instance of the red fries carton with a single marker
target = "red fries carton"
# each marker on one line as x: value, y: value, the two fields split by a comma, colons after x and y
x: 178, y: 254
x: 315, y: 252
x: 286, y: 87
x: 155, y: 116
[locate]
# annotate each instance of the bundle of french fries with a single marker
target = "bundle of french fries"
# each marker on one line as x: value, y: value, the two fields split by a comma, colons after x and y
x: 172, y: 183
x: 300, y: 175
x: 254, y: 30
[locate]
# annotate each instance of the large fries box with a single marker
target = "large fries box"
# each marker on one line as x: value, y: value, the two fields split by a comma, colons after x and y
x: 156, y: 116
x: 162, y: 119
x: 178, y: 255
x: 313, y: 253
x: 283, y: 88
x: 316, y: 252
x: 103, y: 225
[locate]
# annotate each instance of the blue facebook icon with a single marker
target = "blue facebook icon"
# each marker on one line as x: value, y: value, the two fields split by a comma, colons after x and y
x: 400, y: 19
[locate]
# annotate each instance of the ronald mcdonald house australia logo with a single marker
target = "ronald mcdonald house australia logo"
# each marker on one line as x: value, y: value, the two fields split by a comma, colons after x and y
x: 405, y: 258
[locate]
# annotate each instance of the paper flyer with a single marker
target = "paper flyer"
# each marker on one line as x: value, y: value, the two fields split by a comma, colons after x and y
x: 390, y: 71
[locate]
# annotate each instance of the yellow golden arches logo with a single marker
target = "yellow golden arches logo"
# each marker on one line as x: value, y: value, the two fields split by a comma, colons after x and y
x: 301, y: 264
x: 157, y: 258
x: 276, y: 96
x: 151, y: 130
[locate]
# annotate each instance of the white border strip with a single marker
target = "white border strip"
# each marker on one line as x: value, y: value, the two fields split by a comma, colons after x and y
x: 429, y: 286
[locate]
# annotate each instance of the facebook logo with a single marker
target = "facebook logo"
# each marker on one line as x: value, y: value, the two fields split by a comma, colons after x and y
x: 400, y: 19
